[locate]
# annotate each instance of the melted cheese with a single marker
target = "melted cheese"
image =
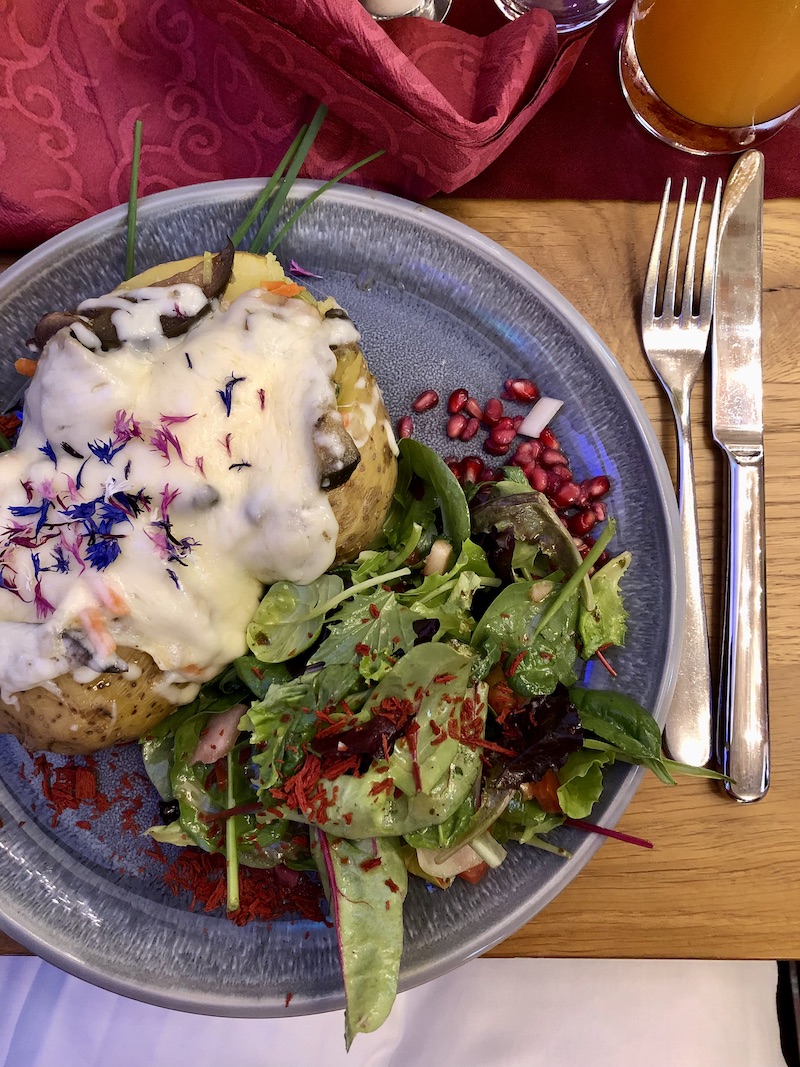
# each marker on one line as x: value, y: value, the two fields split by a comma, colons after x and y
x: 156, y: 488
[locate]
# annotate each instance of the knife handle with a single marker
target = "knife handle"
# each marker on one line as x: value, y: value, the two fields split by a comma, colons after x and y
x: 688, y: 731
x: 743, y: 710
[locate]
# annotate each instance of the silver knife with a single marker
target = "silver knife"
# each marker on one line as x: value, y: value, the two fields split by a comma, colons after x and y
x: 737, y: 425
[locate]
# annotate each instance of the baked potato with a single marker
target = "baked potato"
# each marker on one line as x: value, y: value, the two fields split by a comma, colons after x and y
x: 114, y: 689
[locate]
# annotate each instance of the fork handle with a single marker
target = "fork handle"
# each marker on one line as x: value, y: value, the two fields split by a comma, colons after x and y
x: 744, y: 710
x: 688, y: 732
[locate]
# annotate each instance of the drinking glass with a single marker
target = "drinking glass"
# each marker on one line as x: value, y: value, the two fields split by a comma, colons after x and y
x: 435, y: 10
x: 712, y: 76
x: 570, y: 15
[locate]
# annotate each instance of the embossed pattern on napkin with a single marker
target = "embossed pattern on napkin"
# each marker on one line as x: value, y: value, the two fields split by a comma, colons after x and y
x: 223, y: 87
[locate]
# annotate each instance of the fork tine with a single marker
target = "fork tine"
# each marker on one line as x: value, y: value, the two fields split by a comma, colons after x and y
x: 710, y: 263
x: 687, y: 301
x: 671, y: 280
x: 650, y: 291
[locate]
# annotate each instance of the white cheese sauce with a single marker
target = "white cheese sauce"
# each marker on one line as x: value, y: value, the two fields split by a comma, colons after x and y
x: 156, y: 488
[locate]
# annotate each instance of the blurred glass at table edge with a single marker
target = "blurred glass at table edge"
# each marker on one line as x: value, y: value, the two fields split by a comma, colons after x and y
x: 434, y: 10
x: 712, y: 76
x: 569, y: 15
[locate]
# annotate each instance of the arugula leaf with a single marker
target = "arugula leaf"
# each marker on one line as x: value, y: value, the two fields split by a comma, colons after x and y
x: 369, y: 631
x: 366, y: 883
x: 546, y: 659
x: 605, y: 623
x: 446, y: 833
x: 284, y: 722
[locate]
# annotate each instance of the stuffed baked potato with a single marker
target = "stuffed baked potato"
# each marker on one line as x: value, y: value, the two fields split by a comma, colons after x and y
x: 135, y: 538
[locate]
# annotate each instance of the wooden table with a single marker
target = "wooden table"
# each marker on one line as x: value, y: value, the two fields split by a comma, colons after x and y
x: 722, y: 879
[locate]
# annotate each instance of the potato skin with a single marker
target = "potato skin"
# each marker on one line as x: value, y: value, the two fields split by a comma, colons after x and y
x: 83, y: 718
x: 107, y: 711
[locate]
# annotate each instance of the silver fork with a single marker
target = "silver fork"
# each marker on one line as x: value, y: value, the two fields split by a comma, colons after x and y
x: 675, y: 340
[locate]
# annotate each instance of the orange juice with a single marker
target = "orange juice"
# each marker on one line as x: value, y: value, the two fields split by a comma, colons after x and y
x: 721, y: 62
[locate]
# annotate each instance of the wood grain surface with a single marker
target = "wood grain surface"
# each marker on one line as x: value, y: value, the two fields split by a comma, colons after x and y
x: 722, y: 878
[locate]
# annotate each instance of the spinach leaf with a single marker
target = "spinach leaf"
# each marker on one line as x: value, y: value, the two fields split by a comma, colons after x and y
x: 617, y: 718
x: 447, y: 493
x: 259, y: 676
x: 290, y: 618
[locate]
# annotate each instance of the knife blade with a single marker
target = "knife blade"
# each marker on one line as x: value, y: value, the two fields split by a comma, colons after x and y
x: 738, y: 428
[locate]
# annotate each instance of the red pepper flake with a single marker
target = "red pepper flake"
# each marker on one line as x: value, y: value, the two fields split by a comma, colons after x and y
x: 375, y: 611
x: 85, y: 784
x: 393, y: 886
x: 83, y: 824
x: 512, y: 670
x: 348, y: 817
x: 362, y: 649
x: 289, y: 996
x: 444, y: 679
x: 411, y: 737
x: 385, y: 785
x: 370, y: 864
x: 262, y: 896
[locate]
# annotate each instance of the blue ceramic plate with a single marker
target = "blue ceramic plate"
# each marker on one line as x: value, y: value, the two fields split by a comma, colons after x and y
x: 438, y: 306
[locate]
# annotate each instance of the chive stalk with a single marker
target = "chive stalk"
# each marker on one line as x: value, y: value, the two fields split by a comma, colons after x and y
x: 268, y: 190
x: 133, y: 200
x: 231, y: 849
x: 294, y: 169
x: 310, y: 199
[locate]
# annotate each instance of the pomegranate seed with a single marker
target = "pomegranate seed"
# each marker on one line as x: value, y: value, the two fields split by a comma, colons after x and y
x: 488, y: 475
x: 522, y: 389
x: 548, y: 439
x: 564, y: 473
x: 551, y: 457
x: 567, y: 495
x: 473, y: 408
x: 494, y: 448
x: 537, y: 476
x: 469, y: 431
x: 455, y: 465
x: 517, y: 421
x: 458, y: 399
x: 600, y: 511
x: 602, y: 559
x: 456, y: 425
x: 405, y: 426
x: 554, y: 483
x: 524, y: 454
x: 581, y: 523
x: 504, y: 423
x: 492, y: 411
x: 503, y: 435
x: 596, y: 487
x: 425, y: 401
x: 471, y: 467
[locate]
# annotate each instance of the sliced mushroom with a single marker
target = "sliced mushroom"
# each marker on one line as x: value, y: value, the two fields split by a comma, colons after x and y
x: 336, y: 450
x: 211, y: 278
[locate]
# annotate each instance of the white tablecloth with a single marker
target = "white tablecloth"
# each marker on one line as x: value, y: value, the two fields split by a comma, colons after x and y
x: 490, y: 1013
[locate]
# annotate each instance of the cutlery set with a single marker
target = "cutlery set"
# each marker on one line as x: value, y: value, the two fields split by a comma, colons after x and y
x: 678, y: 317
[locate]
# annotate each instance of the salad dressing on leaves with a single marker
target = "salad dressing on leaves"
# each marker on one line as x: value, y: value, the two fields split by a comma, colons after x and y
x: 156, y: 487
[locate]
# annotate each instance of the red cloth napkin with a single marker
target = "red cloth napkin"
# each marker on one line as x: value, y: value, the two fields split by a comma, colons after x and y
x: 222, y: 87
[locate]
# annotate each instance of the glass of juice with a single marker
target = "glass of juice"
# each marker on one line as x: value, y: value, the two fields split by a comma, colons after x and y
x: 712, y: 75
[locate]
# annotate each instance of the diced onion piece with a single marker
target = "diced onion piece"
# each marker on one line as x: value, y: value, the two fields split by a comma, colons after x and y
x: 438, y: 558
x: 219, y: 736
x: 539, y: 416
x: 461, y: 860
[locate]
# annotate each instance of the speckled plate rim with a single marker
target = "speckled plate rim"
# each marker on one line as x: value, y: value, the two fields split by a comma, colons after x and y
x: 207, y: 194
